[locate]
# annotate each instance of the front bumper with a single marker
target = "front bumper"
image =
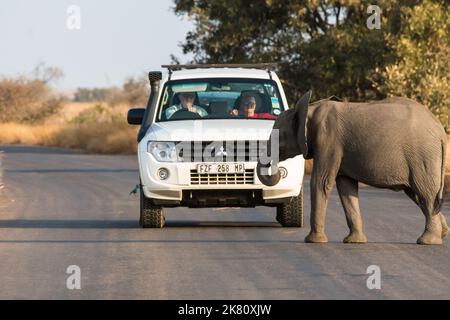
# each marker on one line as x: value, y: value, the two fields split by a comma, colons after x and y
x: 179, y: 185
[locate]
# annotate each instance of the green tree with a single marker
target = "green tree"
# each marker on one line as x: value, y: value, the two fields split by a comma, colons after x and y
x: 422, y: 70
x: 325, y: 45
x: 320, y: 45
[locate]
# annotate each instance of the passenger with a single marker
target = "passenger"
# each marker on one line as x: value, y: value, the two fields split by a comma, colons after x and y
x: 247, y: 108
x: 187, y: 102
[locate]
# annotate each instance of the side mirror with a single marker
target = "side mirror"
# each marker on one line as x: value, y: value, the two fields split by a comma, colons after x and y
x: 135, y: 116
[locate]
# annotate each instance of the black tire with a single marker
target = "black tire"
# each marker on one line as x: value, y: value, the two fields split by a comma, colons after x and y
x: 151, y: 216
x: 290, y: 214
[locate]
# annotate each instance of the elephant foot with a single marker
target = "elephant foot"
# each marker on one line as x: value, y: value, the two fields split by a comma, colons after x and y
x: 444, y: 233
x: 429, y: 237
x: 355, y: 237
x: 316, y: 237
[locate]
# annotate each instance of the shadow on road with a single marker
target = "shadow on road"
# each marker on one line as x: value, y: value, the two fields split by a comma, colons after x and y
x: 69, y: 224
x: 221, y: 224
x: 181, y: 241
x: 388, y: 245
x: 127, y: 224
x: 37, y: 150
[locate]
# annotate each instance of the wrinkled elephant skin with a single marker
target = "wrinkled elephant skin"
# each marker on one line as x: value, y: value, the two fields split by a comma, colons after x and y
x: 395, y: 143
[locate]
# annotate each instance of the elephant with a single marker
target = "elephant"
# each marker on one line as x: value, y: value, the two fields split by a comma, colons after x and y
x: 395, y: 143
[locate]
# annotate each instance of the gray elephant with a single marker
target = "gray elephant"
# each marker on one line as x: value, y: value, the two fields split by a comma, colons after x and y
x: 395, y: 143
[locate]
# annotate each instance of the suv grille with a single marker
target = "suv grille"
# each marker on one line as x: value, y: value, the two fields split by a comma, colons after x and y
x: 221, y: 151
x: 222, y: 178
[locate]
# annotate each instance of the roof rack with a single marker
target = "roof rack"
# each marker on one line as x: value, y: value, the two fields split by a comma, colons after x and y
x: 265, y: 66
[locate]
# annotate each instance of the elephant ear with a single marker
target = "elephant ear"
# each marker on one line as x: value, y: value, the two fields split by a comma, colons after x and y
x: 302, y: 113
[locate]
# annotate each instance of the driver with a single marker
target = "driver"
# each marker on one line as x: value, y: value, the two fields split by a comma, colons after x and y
x: 187, y: 102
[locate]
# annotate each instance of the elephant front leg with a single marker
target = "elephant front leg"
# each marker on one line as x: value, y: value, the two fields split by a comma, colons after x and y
x: 348, y: 193
x: 320, y: 189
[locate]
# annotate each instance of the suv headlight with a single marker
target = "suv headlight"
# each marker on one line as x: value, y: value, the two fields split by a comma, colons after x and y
x: 162, y: 151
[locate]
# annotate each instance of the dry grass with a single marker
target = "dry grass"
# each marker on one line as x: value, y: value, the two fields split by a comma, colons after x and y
x: 68, y: 112
x: 105, y: 139
x: 94, y: 128
x: 72, y: 110
x: 14, y: 133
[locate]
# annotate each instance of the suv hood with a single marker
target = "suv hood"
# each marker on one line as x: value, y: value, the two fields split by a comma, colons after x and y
x: 211, y: 130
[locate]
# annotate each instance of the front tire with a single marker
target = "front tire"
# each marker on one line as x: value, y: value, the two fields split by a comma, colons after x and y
x: 290, y: 214
x: 151, y: 216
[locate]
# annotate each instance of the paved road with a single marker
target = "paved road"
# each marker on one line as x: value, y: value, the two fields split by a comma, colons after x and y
x: 61, y: 208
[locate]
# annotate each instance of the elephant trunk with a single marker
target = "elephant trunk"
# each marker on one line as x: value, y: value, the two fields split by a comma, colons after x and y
x: 262, y: 170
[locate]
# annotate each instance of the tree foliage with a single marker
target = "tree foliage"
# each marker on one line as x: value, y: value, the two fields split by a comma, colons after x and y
x: 326, y: 45
x: 422, y: 70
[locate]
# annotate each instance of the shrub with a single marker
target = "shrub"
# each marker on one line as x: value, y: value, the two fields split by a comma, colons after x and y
x: 26, y: 100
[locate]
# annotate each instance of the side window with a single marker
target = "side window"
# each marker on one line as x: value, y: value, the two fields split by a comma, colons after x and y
x: 274, y: 100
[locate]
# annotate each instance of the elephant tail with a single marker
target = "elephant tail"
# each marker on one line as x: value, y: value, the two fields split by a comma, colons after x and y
x: 440, y: 196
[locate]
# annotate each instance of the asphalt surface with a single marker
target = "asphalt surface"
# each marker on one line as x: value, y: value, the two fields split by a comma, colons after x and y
x: 62, y: 208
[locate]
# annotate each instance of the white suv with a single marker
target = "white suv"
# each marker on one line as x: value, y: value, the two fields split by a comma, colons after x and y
x: 201, y: 136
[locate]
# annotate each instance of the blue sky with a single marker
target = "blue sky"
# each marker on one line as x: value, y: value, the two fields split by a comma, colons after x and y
x: 117, y: 39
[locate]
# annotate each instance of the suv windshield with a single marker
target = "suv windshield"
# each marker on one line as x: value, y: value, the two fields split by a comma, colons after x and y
x: 220, y: 99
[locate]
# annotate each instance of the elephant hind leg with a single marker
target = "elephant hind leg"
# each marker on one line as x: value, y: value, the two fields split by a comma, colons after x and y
x: 348, y: 193
x: 433, y: 231
x: 445, y: 229
x: 412, y: 195
x: 435, y: 225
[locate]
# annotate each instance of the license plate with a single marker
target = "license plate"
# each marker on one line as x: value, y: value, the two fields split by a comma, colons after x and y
x: 221, y: 168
